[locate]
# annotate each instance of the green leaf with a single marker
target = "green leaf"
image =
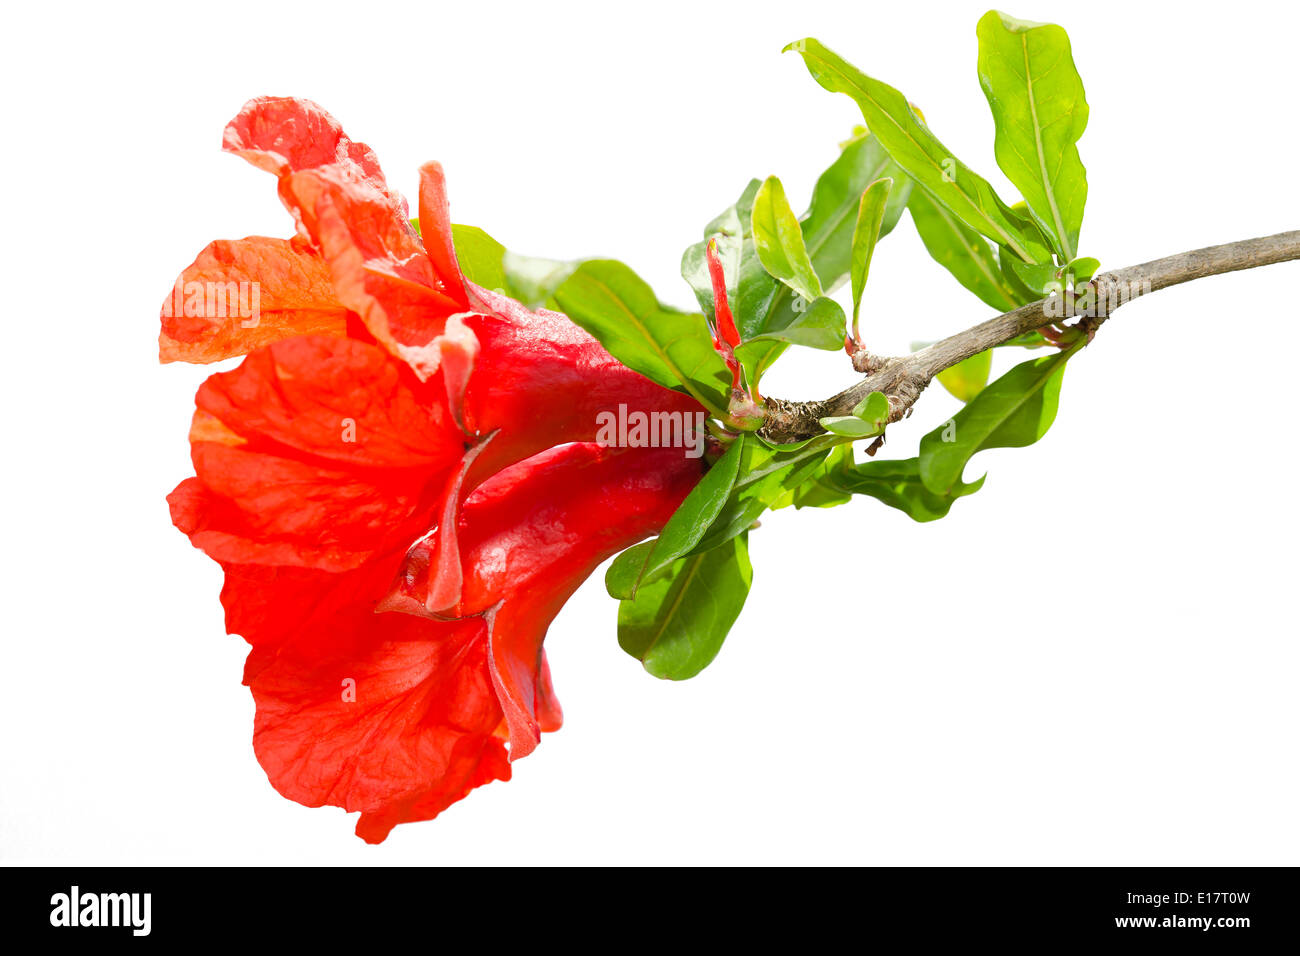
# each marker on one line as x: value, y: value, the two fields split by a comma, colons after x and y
x: 829, y: 224
x: 968, y: 377
x: 770, y: 314
x: 624, y: 572
x: 533, y: 280
x: 697, y: 512
x: 488, y: 263
x: 1040, y: 279
x: 963, y: 252
x: 820, y: 327
x: 675, y: 349
x: 736, y: 517
x: 676, y: 624
x: 1081, y: 269
x: 849, y: 426
x: 927, y: 161
x: 750, y: 288
x: 866, y: 230
x: 779, y: 241
x: 1014, y: 411
x: 1023, y: 293
x: 480, y: 257
x: 816, y: 494
x: 897, y: 484
x: 765, y: 308
x: 869, y: 418
x: 1039, y: 112
x: 749, y: 285
x: 828, y: 235
x: 874, y: 408
x: 763, y: 475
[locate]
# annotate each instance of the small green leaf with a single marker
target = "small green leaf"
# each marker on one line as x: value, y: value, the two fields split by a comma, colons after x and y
x: 1081, y: 269
x: 488, y: 263
x: 779, y: 241
x: 676, y: 624
x: 849, y: 426
x: 929, y: 163
x: 1040, y: 279
x: 821, y: 326
x: 869, y: 418
x: 1014, y: 411
x: 533, y: 280
x: 624, y: 572
x: 1039, y: 113
x: 1022, y: 292
x: 963, y: 252
x: 766, y: 308
x: 672, y: 348
x: 765, y: 473
x: 832, y: 214
x: 874, y: 408
x: 480, y: 257
x: 866, y: 230
x: 965, y: 379
x: 897, y: 484
x: 736, y: 517
x: 697, y: 512
x: 816, y: 494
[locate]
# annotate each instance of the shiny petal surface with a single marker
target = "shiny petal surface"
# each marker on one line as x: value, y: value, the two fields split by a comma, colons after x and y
x: 530, y: 536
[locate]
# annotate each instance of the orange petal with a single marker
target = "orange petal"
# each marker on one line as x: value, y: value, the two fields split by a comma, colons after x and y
x: 435, y: 225
x: 239, y: 295
x: 378, y: 265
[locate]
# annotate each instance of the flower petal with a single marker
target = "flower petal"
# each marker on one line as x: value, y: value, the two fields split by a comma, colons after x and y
x: 529, y: 537
x: 435, y: 226
x: 315, y: 452
x: 399, y: 732
x: 283, y: 134
x: 539, y: 372
x: 539, y: 530
x: 378, y: 264
x: 241, y: 294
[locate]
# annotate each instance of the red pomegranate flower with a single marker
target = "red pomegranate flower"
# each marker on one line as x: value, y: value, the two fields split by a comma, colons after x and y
x: 399, y: 481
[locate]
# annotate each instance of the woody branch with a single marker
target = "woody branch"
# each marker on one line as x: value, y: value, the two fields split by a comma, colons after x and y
x: 903, y: 378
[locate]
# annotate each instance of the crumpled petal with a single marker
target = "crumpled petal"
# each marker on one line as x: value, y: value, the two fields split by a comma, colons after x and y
x: 315, y: 452
x: 393, y: 422
x: 241, y: 294
x: 530, y: 536
x: 287, y: 280
x: 284, y: 134
x: 399, y: 731
x: 378, y: 265
x: 399, y: 716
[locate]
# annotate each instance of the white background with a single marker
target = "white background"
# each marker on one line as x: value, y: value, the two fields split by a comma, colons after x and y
x: 1092, y: 661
